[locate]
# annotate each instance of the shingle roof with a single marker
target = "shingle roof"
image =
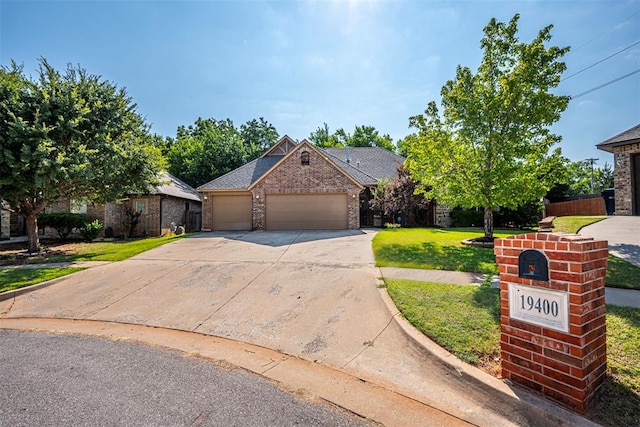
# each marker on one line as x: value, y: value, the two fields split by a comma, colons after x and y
x: 244, y: 176
x: 172, y: 186
x: 627, y: 137
x: 367, y: 165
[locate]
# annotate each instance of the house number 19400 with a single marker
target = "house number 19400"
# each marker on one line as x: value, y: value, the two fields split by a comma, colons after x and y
x: 540, y: 306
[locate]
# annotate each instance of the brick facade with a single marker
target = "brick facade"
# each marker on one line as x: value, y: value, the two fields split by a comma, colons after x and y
x: 291, y: 177
x: 623, y: 180
x: 567, y: 366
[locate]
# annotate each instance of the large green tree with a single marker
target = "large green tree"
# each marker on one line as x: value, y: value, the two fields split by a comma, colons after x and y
x: 363, y: 136
x: 69, y: 134
x: 491, y: 145
x: 257, y: 137
x: 205, y: 150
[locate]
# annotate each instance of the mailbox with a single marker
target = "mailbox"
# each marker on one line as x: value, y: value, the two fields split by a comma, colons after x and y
x: 533, y: 264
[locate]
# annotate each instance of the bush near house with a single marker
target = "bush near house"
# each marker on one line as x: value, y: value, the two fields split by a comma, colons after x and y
x: 63, y: 222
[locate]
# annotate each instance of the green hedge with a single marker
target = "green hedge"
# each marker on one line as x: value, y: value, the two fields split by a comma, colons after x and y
x: 62, y: 222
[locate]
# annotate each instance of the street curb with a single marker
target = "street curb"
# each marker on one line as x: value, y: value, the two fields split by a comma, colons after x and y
x: 346, y: 390
x: 21, y: 291
x: 538, y: 410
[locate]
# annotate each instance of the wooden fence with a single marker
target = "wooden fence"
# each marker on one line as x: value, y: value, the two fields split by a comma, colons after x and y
x: 593, y: 206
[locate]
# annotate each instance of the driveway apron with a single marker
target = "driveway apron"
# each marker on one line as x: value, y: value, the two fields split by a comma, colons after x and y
x: 312, y: 294
x: 622, y: 233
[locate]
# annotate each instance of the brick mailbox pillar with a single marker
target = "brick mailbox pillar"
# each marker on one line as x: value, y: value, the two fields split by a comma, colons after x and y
x: 553, y: 331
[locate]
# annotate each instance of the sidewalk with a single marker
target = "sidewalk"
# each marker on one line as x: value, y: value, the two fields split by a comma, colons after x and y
x: 615, y: 296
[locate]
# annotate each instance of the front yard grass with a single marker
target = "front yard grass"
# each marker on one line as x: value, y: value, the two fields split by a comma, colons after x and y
x: 14, y: 278
x: 435, y: 249
x: 573, y: 224
x: 441, y: 249
x: 465, y: 321
x: 117, y: 250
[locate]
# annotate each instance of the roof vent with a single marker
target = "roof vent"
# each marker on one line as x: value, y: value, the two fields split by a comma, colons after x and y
x: 358, y: 163
x: 348, y: 155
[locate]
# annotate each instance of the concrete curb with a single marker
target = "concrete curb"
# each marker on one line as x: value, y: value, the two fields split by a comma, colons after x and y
x: 532, y: 406
x: 25, y: 290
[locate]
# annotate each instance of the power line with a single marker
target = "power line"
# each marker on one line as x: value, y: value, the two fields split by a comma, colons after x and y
x: 606, y: 84
x: 603, y: 33
x: 601, y: 61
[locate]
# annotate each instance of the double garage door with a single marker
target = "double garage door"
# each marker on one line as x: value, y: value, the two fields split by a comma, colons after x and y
x: 283, y: 212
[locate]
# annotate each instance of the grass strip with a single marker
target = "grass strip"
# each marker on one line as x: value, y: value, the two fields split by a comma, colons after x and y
x: 465, y: 321
x: 15, y: 278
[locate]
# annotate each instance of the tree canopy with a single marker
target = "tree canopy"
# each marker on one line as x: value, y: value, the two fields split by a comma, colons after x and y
x: 69, y: 134
x: 491, y: 145
x: 363, y: 136
x: 210, y: 148
x: 578, y: 180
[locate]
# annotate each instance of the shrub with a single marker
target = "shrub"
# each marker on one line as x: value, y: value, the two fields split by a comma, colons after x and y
x: 467, y: 218
x: 62, y: 222
x: 91, y: 230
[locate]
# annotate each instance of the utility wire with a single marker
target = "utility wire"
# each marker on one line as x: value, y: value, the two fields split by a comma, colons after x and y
x: 601, y: 61
x: 603, y: 33
x: 605, y: 84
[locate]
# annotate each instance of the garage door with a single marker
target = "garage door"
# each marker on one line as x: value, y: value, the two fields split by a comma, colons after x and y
x: 306, y: 212
x: 231, y: 212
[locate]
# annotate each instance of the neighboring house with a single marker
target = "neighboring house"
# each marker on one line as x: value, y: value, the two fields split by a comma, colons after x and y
x: 5, y: 220
x: 173, y: 201
x: 626, y: 159
x: 298, y: 186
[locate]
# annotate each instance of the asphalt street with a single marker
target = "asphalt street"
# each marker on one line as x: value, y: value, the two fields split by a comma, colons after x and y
x: 65, y: 380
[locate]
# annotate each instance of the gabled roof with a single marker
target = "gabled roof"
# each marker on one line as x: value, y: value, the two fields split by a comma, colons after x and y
x: 172, y: 186
x: 366, y: 165
x: 304, y: 144
x: 629, y: 136
x: 281, y: 148
x: 244, y: 176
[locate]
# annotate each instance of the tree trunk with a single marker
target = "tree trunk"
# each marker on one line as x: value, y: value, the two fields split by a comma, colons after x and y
x: 488, y: 223
x: 32, y: 233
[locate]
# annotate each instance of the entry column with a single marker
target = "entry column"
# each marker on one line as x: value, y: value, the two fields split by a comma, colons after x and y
x: 553, y: 331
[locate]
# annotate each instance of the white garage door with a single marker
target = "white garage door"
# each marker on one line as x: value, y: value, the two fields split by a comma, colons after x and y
x: 306, y: 212
x: 231, y: 212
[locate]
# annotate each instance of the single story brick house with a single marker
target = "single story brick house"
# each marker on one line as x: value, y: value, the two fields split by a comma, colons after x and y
x: 626, y: 159
x: 298, y: 186
x: 173, y: 201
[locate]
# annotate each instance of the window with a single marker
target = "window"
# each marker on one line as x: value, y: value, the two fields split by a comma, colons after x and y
x: 304, y: 158
x: 141, y: 206
x: 78, y: 206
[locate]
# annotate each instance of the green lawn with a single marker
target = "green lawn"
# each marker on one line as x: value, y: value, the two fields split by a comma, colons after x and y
x: 573, y: 224
x: 14, y: 278
x: 116, y: 250
x: 434, y: 249
x: 441, y: 249
x: 465, y: 321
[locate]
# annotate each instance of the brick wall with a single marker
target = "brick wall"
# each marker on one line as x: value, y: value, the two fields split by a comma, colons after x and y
x: 568, y: 366
x: 291, y: 177
x: 622, y: 177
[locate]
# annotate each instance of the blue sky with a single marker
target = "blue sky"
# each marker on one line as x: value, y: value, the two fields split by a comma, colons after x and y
x: 346, y: 63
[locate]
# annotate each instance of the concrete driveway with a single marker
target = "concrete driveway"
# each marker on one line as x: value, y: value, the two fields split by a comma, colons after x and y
x: 311, y: 294
x: 622, y: 233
